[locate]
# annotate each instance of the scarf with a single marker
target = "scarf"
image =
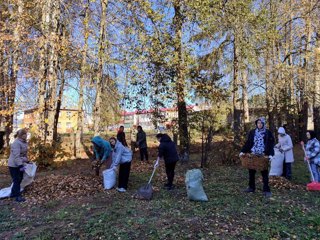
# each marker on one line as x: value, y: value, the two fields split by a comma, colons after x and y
x: 258, y: 145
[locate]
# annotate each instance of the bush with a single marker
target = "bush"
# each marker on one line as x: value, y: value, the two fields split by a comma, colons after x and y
x: 44, y: 154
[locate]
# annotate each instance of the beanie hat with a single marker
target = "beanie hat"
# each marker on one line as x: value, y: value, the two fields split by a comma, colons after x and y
x: 281, y: 130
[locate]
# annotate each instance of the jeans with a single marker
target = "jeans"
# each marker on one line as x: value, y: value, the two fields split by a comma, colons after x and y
x: 124, y: 172
x: 315, y: 171
x: 170, y: 172
x: 17, y: 177
x: 143, y: 154
x: 265, y: 179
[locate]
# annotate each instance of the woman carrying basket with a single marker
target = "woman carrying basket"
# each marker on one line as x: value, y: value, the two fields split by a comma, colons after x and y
x: 260, y: 142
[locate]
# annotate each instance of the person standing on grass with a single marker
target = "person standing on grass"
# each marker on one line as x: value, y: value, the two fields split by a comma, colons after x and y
x: 121, y: 136
x: 285, y: 146
x: 141, y: 143
x: 312, y: 149
x: 260, y: 142
x: 18, y: 156
x: 122, y: 156
x: 102, y: 153
x: 167, y: 150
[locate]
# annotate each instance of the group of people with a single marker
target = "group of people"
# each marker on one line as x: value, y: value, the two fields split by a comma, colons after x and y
x: 115, y: 152
x: 261, y: 142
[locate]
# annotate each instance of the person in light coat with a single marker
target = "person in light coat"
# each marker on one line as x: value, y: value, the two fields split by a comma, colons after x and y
x: 18, y: 157
x: 122, y: 156
x: 285, y: 146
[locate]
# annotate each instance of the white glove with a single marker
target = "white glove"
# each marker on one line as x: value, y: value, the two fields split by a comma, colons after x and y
x: 270, y: 158
x: 241, y: 154
x: 156, y: 164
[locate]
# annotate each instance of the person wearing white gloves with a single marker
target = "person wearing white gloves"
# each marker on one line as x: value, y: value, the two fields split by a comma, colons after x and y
x: 285, y: 146
x: 121, y: 156
x: 260, y: 141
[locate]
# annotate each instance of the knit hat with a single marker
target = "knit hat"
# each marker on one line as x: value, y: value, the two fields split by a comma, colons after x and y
x: 281, y: 130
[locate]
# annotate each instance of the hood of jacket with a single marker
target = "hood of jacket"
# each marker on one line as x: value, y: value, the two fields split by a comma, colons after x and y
x: 165, y: 138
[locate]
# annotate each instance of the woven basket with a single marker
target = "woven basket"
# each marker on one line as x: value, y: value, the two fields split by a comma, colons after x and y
x: 251, y: 161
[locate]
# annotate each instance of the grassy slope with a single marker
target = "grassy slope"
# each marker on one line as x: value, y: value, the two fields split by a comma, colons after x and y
x: 230, y: 214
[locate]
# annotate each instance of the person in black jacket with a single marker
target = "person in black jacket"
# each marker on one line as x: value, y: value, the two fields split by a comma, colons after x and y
x: 141, y: 143
x: 260, y: 141
x: 167, y: 151
x: 121, y: 136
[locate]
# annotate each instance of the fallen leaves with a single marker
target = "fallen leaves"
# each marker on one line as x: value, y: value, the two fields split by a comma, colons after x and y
x: 57, y: 187
x: 282, y: 183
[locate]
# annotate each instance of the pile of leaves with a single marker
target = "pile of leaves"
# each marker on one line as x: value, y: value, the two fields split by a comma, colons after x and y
x: 283, y: 183
x: 57, y: 187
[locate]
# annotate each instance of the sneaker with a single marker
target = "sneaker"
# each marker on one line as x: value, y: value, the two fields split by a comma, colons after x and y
x: 121, y: 190
x: 249, y: 190
x: 20, y: 199
x: 267, y: 194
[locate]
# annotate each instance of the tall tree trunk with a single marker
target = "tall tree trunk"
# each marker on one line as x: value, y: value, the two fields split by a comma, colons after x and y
x: 316, y: 92
x: 245, y: 104
x: 180, y: 82
x: 53, y: 66
x: 43, y: 81
x: 82, y: 81
x: 304, y: 101
x: 235, y: 93
x: 101, y: 60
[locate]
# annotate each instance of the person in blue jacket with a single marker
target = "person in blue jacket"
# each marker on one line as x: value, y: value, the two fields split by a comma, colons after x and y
x: 121, y: 156
x: 167, y: 150
x: 102, y: 152
x: 260, y: 142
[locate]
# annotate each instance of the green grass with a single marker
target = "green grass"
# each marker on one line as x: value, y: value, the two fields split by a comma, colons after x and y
x: 229, y: 213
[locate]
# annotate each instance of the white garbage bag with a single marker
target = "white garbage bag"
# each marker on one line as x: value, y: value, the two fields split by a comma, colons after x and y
x: 28, y: 177
x: 276, y: 167
x: 109, y: 178
x: 194, y: 179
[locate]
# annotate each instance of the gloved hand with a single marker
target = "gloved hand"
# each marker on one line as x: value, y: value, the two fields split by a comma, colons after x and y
x: 22, y: 169
x: 156, y: 164
x: 281, y: 150
x: 270, y: 158
x: 241, y: 154
x: 114, y: 168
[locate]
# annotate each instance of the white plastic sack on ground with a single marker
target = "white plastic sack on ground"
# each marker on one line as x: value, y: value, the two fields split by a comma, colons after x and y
x: 276, y: 167
x: 194, y: 186
x: 109, y: 178
x: 28, y: 177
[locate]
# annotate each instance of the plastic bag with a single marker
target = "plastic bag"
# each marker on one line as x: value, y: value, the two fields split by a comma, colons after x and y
x: 276, y: 166
x: 194, y: 186
x: 109, y: 178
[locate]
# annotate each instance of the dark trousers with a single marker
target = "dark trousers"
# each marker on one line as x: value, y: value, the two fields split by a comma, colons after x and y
x: 143, y: 154
x: 170, y: 172
x: 287, y: 171
x: 17, y: 177
x: 124, y: 172
x: 265, y: 179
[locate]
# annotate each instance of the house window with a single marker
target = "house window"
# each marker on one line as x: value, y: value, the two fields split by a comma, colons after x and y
x: 68, y: 114
x: 68, y: 124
